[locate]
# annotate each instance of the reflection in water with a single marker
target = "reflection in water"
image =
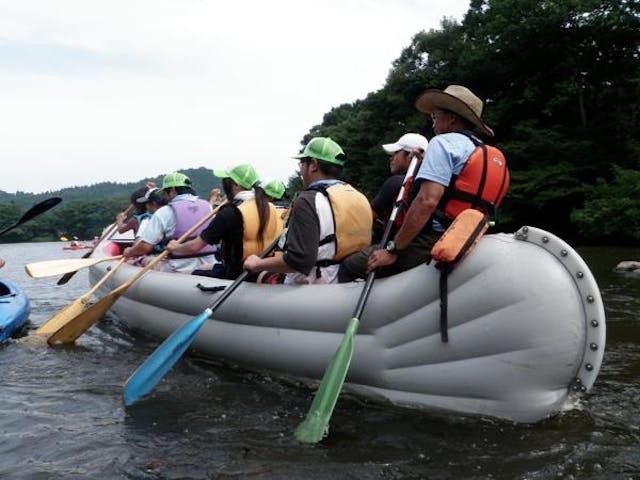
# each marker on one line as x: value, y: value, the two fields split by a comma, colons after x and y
x: 62, y: 413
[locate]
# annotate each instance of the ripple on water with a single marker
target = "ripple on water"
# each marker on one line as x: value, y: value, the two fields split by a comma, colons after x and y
x: 62, y: 414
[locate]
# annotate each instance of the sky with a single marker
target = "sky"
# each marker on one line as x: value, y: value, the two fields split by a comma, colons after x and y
x: 121, y: 90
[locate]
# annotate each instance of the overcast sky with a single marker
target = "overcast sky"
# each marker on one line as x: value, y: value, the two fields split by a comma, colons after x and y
x: 120, y: 90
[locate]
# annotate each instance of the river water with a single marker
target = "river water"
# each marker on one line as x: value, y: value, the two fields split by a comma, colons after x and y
x: 61, y: 412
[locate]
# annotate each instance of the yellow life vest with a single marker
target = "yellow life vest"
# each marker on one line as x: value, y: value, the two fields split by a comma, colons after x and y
x: 251, y: 244
x: 352, y: 219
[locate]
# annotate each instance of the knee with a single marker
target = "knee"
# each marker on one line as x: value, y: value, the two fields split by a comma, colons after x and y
x: 344, y: 276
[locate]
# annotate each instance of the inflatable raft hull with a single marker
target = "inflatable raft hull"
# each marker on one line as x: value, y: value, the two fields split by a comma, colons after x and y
x: 14, y: 308
x: 526, y: 327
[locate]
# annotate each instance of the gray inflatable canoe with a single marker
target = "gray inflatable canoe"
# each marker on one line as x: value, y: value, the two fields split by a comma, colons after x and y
x: 526, y: 327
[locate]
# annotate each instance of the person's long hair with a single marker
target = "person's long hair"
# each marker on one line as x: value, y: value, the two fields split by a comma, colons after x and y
x: 262, y: 203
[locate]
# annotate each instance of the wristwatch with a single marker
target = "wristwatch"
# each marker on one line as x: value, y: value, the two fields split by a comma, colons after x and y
x: 391, y: 247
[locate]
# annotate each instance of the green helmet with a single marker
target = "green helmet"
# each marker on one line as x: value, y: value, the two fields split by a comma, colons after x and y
x: 274, y: 188
x: 244, y: 175
x: 323, y: 148
x: 175, y: 179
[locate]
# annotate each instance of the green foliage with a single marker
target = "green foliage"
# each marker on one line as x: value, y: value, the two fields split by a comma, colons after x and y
x: 561, y: 79
x: 612, y: 209
x: 85, y: 211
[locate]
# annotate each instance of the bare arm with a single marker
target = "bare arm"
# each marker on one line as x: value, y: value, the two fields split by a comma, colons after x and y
x: 186, y: 248
x: 138, y: 249
x: 419, y: 212
x: 131, y: 224
x: 253, y: 263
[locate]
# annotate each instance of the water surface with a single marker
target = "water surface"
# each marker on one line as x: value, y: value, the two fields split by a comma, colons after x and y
x: 62, y: 414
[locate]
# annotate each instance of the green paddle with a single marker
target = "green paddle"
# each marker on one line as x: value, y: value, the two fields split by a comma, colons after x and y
x: 316, y: 425
x: 33, y: 212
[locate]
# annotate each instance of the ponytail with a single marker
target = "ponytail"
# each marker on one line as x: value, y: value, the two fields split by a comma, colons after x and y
x: 263, y: 211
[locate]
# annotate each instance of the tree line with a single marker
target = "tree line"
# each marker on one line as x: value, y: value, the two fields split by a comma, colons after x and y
x: 561, y: 80
x: 85, y: 211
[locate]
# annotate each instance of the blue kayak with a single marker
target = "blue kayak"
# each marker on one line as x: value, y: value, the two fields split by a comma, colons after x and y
x: 14, y: 308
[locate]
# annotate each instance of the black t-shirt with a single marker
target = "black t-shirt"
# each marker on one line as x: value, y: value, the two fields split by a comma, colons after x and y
x: 227, y: 226
x: 303, y: 234
x: 383, y: 202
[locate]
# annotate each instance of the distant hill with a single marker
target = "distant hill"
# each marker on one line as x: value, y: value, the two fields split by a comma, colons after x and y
x: 202, y: 178
x: 85, y: 210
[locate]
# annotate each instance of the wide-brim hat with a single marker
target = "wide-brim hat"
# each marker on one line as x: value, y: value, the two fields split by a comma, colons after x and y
x: 457, y: 99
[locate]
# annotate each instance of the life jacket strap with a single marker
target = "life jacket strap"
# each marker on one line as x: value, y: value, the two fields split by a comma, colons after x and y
x: 444, y: 304
x: 323, y: 264
x: 328, y: 239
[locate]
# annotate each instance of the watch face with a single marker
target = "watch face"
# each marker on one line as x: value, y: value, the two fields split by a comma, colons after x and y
x: 391, y: 247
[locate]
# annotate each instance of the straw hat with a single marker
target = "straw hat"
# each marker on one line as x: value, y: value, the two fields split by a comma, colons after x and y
x: 457, y: 99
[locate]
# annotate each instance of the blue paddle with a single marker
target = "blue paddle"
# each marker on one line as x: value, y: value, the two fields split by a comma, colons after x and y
x: 147, y: 375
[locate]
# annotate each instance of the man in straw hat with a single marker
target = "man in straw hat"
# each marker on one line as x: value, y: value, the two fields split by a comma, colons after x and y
x: 458, y: 171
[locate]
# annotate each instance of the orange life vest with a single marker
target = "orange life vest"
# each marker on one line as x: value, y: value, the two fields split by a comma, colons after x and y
x: 481, y: 184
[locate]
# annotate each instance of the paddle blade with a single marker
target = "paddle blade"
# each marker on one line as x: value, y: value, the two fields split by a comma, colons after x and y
x: 40, y: 208
x: 316, y: 425
x: 51, y: 268
x: 34, y: 212
x: 63, y: 316
x: 156, y: 366
x: 75, y: 327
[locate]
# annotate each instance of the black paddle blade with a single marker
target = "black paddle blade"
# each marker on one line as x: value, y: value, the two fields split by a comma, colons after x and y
x: 34, y: 211
x: 39, y: 208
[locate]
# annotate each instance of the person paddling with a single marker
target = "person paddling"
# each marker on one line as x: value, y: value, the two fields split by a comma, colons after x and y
x: 171, y: 221
x: 400, y: 154
x: 329, y: 220
x: 140, y: 215
x: 244, y: 227
x: 456, y: 173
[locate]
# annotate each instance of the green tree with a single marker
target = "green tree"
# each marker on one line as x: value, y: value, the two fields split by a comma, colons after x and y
x: 561, y: 79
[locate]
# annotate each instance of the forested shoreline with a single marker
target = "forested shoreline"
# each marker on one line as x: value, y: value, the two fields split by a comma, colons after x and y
x: 85, y: 211
x: 561, y: 81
